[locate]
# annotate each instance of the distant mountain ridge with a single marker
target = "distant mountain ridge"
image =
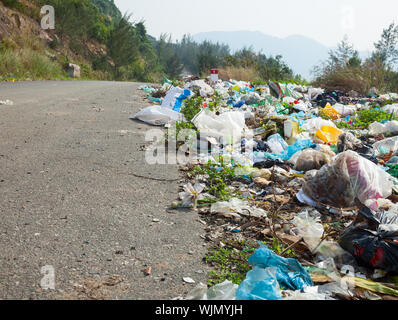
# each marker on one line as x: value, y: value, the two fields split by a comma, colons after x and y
x: 299, y: 52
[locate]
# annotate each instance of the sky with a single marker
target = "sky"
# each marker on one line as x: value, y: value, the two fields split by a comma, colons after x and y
x: 325, y: 21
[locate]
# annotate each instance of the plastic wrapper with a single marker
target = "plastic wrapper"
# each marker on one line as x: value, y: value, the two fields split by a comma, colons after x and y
x: 347, y: 178
x: 158, y: 116
x: 373, y: 239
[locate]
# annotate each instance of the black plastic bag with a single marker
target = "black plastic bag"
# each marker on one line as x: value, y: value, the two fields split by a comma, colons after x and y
x: 373, y: 240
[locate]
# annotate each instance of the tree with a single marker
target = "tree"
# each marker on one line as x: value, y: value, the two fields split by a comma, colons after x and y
x: 344, y: 53
x: 123, y: 46
x: 168, y: 57
x: 386, y: 47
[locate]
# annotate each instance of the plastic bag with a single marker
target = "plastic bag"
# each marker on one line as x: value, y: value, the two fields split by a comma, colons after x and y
x: 391, y: 108
x: 313, y: 93
x: 236, y: 208
x: 329, y: 134
x: 174, y: 98
x: 276, y: 143
x: 290, y: 273
x: 386, y: 146
x: 260, y: 284
x: 200, y: 85
x: 228, y: 127
x: 331, y: 112
x: 310, y: 159
x: 313, y: 125
x: 296, y: 147
x: 348, y: 177
x: 347, y: 141
x: 222, y: 291
x: 310, y: 229
x: 377, y: 128
x: 158, y: 116
x: 305, y: 296
x: 344, y: 110
x: 373, y: 239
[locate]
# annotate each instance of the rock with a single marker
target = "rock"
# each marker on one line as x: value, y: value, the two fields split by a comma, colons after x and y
x: 73, y: 70
x: 189, y: 280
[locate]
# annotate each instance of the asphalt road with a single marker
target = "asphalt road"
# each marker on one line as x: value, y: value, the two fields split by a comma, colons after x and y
x: 69, y: 201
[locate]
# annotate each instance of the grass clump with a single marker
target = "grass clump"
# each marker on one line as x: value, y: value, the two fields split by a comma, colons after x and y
x: 218, y: 178
x: 230, y: 262
x: 362, y: 119
x: 28, y: 63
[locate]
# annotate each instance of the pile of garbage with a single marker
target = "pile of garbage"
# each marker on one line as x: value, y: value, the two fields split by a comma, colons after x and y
x: 314, y: 170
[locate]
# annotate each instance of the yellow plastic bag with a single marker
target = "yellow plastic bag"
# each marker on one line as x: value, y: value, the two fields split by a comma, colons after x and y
x: 331, y: 112
x: 329, y: 134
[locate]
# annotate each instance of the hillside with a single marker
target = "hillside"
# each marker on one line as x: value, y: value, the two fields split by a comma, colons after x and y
x: 90, y: 33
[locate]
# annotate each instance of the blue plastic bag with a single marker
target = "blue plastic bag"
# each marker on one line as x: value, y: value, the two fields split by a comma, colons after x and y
x: 180, y: 99
x: 290, y: 273
x: 287, y: 154
x: 270, y: 272
x: 260, y: 284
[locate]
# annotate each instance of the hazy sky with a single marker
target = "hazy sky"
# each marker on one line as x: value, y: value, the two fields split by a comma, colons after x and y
x: 324, y: 21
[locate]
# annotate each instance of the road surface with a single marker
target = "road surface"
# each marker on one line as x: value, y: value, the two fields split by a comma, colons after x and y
x: 71, y: 200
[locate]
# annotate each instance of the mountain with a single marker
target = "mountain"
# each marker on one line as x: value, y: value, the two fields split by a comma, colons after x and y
x: 300, y: 53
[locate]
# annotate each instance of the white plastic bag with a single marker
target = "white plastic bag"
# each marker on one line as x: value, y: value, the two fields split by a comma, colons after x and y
x: 347, y: 178
x: 386, y: 146
x: 221, y: 292
x: 236, y: 208
x: 315, y: 124
x: 277, y: 144
x: 309, y: 228
x: 158, y: 116
x: 344, y: 110
x: 313, y: 93
x: 377, y: 128
x: 173, y: 99
x: 228, y: 127
x: 391, y: 108
x: 204, y: 89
